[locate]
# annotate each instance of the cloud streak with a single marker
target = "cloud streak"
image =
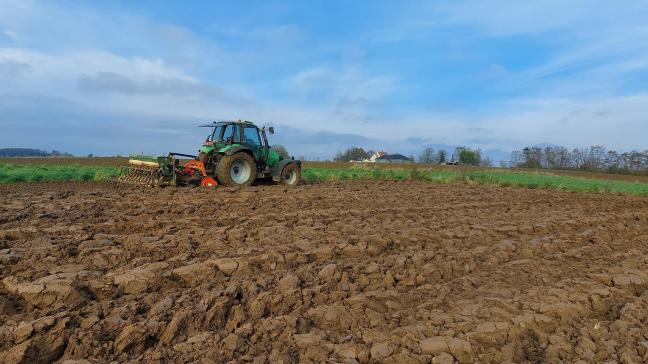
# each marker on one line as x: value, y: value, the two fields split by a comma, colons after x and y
x: 110, y: 82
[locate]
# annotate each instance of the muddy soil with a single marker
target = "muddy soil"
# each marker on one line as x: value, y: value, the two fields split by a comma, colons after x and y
x: 396, y: 272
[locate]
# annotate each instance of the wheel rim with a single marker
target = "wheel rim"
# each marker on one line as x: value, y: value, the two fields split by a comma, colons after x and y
x: 240, y: 171
x: 290, y: 177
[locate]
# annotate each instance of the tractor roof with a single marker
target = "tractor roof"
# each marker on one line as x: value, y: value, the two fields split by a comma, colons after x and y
x: 225, y: 122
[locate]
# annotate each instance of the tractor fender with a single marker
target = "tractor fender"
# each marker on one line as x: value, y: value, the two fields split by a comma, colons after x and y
x: 206, y: 149
x: 278, y: 168
x: 235, y: 149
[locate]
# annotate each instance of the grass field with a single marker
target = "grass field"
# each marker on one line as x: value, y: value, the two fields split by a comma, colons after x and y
x: 10, y: 173
x: 493, y: 177
x: 122, y: 161
x: 322, y: 172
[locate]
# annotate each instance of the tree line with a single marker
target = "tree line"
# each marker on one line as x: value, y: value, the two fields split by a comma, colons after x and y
x: 461, y: 155
x: 594, y: 158
x: 30, y: 152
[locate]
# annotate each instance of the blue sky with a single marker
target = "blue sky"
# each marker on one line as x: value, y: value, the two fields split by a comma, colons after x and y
x: 122, y: 76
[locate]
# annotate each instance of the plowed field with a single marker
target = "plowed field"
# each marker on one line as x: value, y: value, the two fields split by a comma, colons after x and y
x: 394, y: 272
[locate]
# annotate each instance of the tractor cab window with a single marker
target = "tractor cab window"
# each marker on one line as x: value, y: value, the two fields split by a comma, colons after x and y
x: 251, y: 136
x: 231, y: 131
x: 215, y: 135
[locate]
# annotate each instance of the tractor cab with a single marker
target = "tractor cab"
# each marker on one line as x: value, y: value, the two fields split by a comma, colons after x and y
x: 239, y: 133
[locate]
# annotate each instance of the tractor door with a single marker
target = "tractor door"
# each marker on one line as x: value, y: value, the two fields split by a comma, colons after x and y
x: 231, y: 134
x: 252, y: 140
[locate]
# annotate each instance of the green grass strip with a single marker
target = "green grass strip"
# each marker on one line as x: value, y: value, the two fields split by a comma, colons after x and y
x: 500, y: 178
x: 542, y: 180
x: 12, y: 173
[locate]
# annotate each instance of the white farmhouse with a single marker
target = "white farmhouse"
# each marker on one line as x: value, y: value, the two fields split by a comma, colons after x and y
x: 374, y: 157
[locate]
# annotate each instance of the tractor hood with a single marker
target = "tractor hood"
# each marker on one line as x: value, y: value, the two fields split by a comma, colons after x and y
x: 206, y: 148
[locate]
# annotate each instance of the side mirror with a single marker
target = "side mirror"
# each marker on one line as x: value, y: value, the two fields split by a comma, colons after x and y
x: 271, y: 130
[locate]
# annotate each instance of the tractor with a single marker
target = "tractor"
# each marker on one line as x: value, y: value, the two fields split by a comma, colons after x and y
x: 235, y: 153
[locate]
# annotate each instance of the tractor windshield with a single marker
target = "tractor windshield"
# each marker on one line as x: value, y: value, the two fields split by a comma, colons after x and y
x: 225, y: 133
x: 231, y: 133
x: 216, y: 134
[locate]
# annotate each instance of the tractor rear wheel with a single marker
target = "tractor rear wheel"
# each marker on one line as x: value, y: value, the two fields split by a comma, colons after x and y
x: 236, y: 170
x: 291, y: 175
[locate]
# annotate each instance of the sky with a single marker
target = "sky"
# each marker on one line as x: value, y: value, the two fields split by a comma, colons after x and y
x: 115, y: 77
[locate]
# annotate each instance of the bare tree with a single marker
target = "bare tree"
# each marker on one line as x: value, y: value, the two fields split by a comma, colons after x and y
x: 442, y: 156
x: 478, y: 157
x: 485, y: 162
x: 562, y: 158
x: 532, y: 157
x: 596, y: 157
x: 427, y: 156
x: 516, y: 159
x: 579, y: 158
x: 612, y: 161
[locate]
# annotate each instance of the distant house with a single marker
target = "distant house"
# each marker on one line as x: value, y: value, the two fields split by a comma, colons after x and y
x: 394, y: 158
x: 374, y: 157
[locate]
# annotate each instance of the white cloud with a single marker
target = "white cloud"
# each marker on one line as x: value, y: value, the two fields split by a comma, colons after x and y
x: 57, y: 74
x: 348, y: 83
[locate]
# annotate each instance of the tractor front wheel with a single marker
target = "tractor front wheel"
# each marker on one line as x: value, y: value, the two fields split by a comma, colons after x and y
x: 291, y: 175
x: 208, y: 162
x: 236, y: 170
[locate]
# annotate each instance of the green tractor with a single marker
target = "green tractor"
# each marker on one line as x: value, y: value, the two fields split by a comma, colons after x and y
x: 235, y: 153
